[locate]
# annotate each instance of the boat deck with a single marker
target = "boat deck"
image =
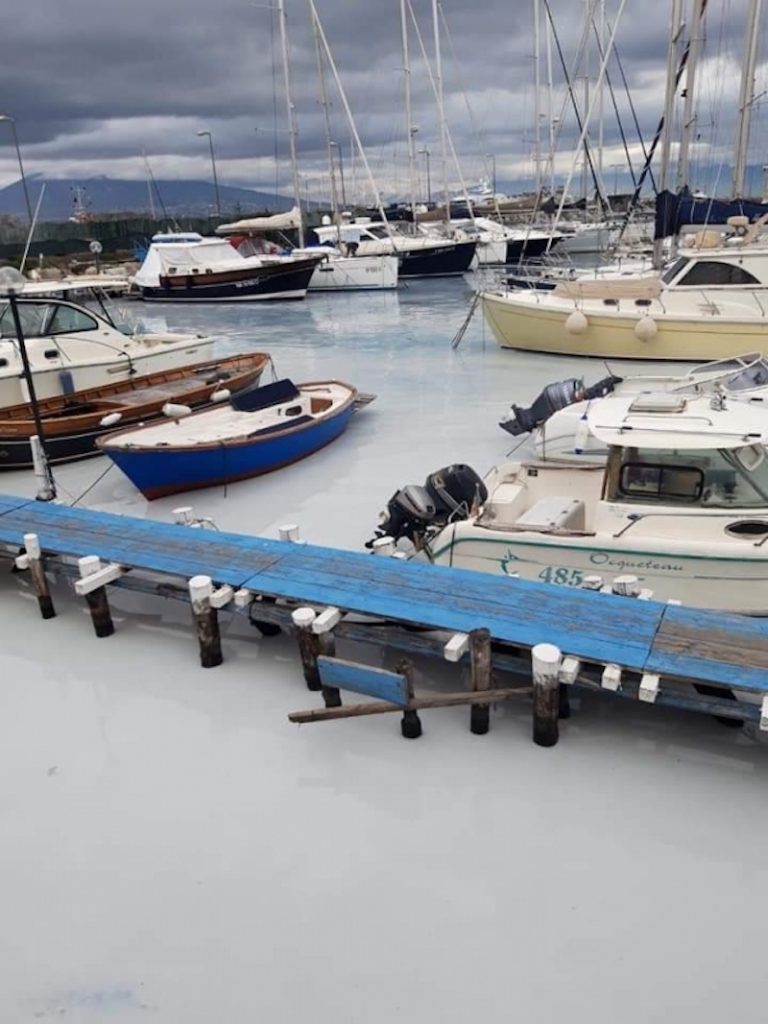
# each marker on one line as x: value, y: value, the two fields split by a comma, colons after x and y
x: 642, y: 637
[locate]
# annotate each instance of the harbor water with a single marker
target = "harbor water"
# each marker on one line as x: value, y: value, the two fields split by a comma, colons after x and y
x: 174, y: 850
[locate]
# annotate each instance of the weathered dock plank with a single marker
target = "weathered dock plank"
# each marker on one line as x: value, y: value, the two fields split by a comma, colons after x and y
x: 646, y: 636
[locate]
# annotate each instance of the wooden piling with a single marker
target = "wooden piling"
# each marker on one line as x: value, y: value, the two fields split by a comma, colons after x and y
x: 326, y: 645
x: 546, y: 689
x: 309, y: 646
x: 37, y: 572
x: 206, y: 621
x: 480, y: 660
x: 410, y: 725
x: 97, y: 601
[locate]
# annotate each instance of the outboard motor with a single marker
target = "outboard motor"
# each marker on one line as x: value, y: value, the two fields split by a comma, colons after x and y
x: 553, y: 398
x: 450, y: 493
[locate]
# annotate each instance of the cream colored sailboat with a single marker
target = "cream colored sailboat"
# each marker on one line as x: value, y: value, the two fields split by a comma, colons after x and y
x: 710, y: 304
x: 681, y: 502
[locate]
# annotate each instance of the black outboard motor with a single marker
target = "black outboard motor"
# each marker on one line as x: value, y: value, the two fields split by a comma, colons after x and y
x: 552, y: 398
x: 449, y: 494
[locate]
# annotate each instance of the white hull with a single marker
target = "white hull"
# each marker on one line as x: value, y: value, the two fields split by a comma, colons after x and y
x: 355, y: 273
x: 724, y: 583
x: 51, y: 381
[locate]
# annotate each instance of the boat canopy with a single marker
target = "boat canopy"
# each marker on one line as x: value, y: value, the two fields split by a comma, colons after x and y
x: 266, y: 396
x: 674, y: 212
x: 256, y: 225
x: 182, y: 257
x: 664, y: 421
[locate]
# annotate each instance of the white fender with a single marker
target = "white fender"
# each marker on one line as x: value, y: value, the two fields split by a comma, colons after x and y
x: 646, y: 329
x: 576, y: 323
x: 175, y: 411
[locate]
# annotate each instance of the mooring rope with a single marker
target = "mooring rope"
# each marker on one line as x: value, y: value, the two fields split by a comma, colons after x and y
x: 459, y: 335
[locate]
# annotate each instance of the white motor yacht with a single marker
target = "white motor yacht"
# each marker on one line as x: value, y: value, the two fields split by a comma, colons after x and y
x: 681, y: 502
x: 72, y: 347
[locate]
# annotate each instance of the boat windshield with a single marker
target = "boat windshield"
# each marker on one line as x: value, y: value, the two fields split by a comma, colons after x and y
x: 753, y: 376
x: 709, y: 478
x: 671, y: 272
x: 44, y: 319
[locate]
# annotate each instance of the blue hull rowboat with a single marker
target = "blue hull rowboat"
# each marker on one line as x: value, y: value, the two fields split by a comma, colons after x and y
x: 263, y: 430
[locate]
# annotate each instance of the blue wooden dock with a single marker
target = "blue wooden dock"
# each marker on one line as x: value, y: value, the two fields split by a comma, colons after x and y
x: 640, y: 637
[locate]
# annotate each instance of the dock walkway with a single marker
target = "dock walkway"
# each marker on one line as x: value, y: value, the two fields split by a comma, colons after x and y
x: 638, y: 636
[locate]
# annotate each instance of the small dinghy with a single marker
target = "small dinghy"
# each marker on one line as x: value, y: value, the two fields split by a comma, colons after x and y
x: 254, y: 433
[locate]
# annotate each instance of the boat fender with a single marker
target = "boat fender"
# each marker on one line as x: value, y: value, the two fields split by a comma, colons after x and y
x: 221, y: 395
x: 581, y: 438
x: 576, y: 323
x: 646, y: 329
x: 174, y: 411
x: 110, y: 419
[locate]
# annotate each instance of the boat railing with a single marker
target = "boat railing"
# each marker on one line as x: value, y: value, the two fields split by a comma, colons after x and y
x: 759, y: 304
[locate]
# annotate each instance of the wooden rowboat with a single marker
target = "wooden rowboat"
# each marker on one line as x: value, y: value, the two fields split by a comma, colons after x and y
x: 73, y: 422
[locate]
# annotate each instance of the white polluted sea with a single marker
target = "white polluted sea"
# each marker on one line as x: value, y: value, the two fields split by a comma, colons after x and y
x: 174, y: 850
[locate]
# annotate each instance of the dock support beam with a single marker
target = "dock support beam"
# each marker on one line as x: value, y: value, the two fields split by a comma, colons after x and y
x: 315, y: 636
x: 96, y: 599
x: 546, y: 694
x: 206, y: 621
x: 410, y: 724
x: 37, y: 572
x: 480, y: 655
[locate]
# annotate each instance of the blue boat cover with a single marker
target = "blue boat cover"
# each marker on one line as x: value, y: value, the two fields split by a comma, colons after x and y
x: 265, y: 396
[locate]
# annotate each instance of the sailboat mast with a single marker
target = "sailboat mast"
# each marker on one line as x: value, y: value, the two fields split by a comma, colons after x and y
x: 537, y: 97
x: 441, y: 110
x: 292, y: 130
x: 669, y: 103
x: 746, y: 96
x: 328, y: 141
x: 689, y: 114
x: 550, y: 122
x: 408, y: 114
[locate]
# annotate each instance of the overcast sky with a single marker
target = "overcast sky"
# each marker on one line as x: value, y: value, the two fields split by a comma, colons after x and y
x: 92, y: 84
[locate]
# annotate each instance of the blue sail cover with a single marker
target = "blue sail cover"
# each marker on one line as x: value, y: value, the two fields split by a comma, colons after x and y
x: 674, y: 212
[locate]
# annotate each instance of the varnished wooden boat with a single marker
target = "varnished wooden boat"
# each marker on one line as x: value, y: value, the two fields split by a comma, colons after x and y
x: 73, y: 422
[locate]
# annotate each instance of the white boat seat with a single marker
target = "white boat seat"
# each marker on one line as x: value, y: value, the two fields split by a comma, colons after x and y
x: 551, y: 514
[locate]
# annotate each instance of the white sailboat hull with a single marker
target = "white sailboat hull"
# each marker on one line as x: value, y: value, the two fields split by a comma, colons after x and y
x: 355, y: 273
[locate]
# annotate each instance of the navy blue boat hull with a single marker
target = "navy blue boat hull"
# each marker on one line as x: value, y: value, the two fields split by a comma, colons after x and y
x: 266, y: 283
x: 157, y: 472
x: 442, y: 261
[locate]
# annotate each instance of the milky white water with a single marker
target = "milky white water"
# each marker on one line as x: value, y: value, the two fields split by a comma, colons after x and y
x: 172, y: 849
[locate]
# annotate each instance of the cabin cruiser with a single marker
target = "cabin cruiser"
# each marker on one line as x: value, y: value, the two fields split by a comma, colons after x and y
x: 338, y: 267
x: 710, y: 303
x: 680, y: 502
x: 72, y: 347
x: 191, y: 268
x: 419, y: 255
x: 499, y: 244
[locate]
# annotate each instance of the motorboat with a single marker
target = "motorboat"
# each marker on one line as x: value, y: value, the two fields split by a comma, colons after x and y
x: 192, y: 268
x: 338, y: 267
x: 680, y: 502
x: 72, y: 347
x: 711, y: 303
x: 557, y: 419
x: 73, y: 422
x: 419, y: 255
x: 254, y: 433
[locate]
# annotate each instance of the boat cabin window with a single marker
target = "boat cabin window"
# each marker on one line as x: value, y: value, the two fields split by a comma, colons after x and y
x: 32, y: 318
x: 378, y: 232
x: 715, y: 273
x: 753, y: 376
x: 293, y: 410
x: 671, y: 273
x: 709, y: 478
x: 67, y: 319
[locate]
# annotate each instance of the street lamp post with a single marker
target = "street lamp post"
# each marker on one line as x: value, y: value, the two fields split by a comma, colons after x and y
x: 12, y: 123
x: 11, y: 286
x: 492, y: 158
x: 426, y: 154
x: 337, y: 147
x: 213, y: 168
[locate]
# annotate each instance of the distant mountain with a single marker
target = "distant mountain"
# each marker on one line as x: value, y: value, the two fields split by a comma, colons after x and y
x: 114, y: 195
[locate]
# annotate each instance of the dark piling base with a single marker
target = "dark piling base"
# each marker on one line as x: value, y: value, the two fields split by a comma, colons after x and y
x: 101, y: 617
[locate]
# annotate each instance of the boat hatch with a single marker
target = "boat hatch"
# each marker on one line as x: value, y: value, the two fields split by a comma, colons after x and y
x: 665, y: 403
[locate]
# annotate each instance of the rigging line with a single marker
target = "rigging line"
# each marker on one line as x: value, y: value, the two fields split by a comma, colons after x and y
x: 582, y: 127
x: 633, y: 110
x: 92, y: 485
x: 614, y: 103
x: 275, y: 152
x: 652, y: 149
x: 479, y: 135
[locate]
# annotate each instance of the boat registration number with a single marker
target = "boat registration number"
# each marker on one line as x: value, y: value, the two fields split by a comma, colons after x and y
x: 562, y: 576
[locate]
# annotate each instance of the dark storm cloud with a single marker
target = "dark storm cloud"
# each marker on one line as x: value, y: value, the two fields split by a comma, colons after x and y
x: 91, y: 83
